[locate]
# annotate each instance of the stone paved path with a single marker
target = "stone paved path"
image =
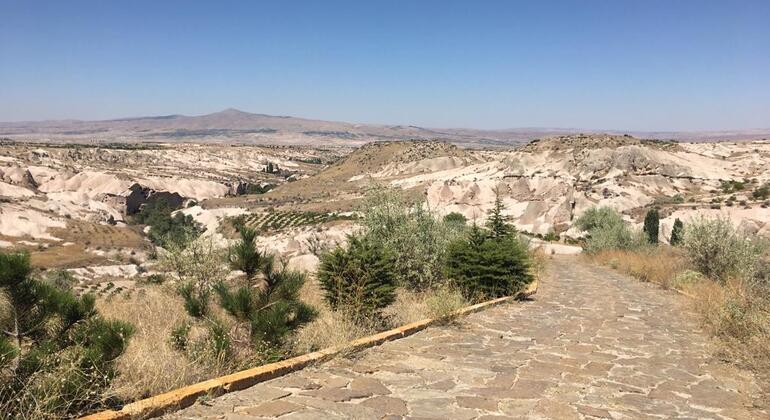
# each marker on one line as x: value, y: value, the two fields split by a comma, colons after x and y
x: 592, y: 344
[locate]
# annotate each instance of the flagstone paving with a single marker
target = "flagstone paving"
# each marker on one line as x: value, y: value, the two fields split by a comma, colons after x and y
x: 591, y: 344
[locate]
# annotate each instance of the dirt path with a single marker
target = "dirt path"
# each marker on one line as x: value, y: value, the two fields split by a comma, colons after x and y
x: 592, y: 343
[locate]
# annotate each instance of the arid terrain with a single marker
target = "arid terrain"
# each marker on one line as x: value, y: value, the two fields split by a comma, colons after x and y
x: 70, y: 205
x: 94, y: 210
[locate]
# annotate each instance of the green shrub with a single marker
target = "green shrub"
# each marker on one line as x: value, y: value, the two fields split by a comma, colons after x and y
x: 271, y: 311
x: 56, y: 354
x: 483, y: 266
x: 61, y: 279
x: 551, y: 236
x: 719, y: 251
x: 166, y: 229
x: 155, y: 279
x: 761, y: 193
x: 263, y: 310
x: 652, y: 226
x: 677, y: 233
x: 599, y: 217
x: 360, y: 278
x: 180, y: 336
x: 455, y: 219
x: 608, y: 231
x: 614, y: 236
x: 732, y: 186
x: 415, y: 237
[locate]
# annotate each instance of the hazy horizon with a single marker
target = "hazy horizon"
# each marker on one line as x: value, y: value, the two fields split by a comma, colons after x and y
x: 586, y: 129
x: 653, y: 66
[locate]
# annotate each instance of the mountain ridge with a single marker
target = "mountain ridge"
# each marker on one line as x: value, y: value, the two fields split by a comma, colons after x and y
x: 234, y: 125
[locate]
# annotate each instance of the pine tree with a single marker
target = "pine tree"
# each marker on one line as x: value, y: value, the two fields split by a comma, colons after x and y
x: 56, y: 353
x: 271, y: 309
x: 359, y: 279
x: 484, y: 266
x: 497, y: 223
x: 245, y: 256
x: 677, y: 233
x: 652, y: 226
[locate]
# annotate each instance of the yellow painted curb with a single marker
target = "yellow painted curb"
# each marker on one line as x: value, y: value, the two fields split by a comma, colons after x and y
x: 185, y: 397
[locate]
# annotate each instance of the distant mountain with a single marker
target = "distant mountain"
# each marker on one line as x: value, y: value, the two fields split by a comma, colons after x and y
x: 232, y: 125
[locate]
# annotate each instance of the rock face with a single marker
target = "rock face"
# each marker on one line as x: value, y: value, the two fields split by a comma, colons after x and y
x: 137, y: 196
x: 53, y: 184
x: 546, y: 184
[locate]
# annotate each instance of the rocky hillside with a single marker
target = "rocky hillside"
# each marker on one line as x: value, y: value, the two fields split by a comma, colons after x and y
x: 547, y: 183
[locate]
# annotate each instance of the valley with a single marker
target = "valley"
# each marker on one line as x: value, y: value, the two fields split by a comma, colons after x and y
x: 73, y: 206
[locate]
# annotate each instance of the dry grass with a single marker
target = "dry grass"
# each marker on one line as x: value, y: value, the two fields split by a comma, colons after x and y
x: 440, y: 303
x: 150, y: 365
x: 329, y: 329
x: 538, y: 261
x: 407, y: 308
x: 659, y: 265
x: 336, y: 328
x: 739, y: 314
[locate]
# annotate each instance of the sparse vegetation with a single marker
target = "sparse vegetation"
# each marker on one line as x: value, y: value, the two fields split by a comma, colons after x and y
x: 732, y: 186
x: 284, y: 220
x: 761, y: 193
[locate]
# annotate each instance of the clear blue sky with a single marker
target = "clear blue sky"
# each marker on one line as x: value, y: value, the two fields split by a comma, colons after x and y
x: 635, y: 65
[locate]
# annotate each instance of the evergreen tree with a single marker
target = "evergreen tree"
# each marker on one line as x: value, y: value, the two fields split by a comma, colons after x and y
x: 485, y: 266
x: 677, y: 233
x: 359, y: 279
x: 497, y: 223
x: 271, y: 309
x: 652, y: 226
x: 56, y: 353
x: 245, y: 256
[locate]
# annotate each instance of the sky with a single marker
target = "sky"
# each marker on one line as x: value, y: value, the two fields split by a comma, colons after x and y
x: 632, y: 65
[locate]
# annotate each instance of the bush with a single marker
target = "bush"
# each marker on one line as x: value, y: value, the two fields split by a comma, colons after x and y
x: 359, y: 279
x: 596, y: 217
x: 57, y: 354
x: 165, y: 229
x: 607, y: 231
x: 61, y: 279
x: 719, y: 251
x: 761, y: 193
x: 652, y: 226
x: 551, y: 236
x: 732, y: 186
x: 455, y: 219
x: 677, y: 233
x: 416, y: 238
x: 616, y: 236
x: 482, y: 266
